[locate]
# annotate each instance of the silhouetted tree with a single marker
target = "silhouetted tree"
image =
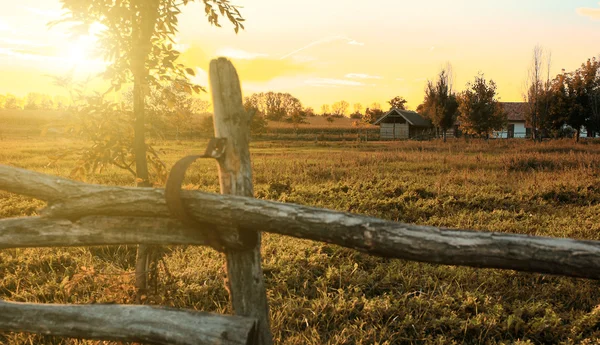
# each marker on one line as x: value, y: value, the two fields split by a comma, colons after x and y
x: 397, y: 102
x: 340, y: 108
x: 537, y: 94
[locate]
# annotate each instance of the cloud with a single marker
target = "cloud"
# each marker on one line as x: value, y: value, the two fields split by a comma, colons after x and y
x: 19, y: 42
x: 239, y: 54
x: 400, y: 79
x: 355, y: 43
x: 5, y: 27
x: 362, y: 76
x: 323, y: 41
x: 44, y: 13
x: 201, y: 77
x: 592, y: 13
x: 333, y: 82
x: 432, y: 48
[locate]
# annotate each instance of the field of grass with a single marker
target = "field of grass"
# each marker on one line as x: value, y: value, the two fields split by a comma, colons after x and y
x: 324, y: 294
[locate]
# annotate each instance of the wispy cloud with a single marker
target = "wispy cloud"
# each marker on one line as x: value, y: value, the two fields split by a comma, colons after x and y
x: 593, y: 13
x: 355, y: 43
x: 25, y: 55
x: 240, y: 54
x: 362, y: 76
x: 44, y: 12
x: 201, y: 77
x: 20, y: 42
x: 323, y: 41
x: 333, y: 82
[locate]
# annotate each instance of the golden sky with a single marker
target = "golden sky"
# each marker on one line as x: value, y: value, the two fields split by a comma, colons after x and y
x: 326, y: 51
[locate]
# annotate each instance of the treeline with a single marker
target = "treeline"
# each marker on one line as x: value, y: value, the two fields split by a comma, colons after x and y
x: 568, y: 102
x: 34, y: 101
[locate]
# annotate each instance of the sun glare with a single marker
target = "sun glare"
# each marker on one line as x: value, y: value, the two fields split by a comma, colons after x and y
x: 80, y: 50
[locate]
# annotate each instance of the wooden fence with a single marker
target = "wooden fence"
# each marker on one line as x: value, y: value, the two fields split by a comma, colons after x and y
x: 80, y: 214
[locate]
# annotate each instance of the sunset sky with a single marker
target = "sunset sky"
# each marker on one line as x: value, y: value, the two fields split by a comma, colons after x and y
x: 326, y: 51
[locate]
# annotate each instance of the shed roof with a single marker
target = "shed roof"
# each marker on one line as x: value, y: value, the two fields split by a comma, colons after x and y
x: 410, y: 116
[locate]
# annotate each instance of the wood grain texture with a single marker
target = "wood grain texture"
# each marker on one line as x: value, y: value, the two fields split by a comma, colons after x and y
x: 152, y: 325
x: 247, y: 289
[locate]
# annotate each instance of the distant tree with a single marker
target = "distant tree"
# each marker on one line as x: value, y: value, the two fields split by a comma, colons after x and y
x: 339, y: 109
x: 440, y: 104
x: 207, y: 125
x: 357, y: 114
x: 585, y: 87
x: 275, y: 106
x: 537, y: 94
x: 372, y: 114
x: 397, y: 102
x: 309, y: 112
x: 258, y: 123
x: 13, y: 102
x: 2, y: 101
x: 33, y: 101
x: 325, y: 110
x: 480, y: 111
x: 47, y: 103
x: 560, y: 103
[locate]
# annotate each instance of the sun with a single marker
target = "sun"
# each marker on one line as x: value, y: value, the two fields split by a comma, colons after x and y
x: 79, y: 51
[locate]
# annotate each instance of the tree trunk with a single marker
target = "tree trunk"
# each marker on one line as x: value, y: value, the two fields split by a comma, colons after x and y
x: 577, y: 134
x: 142, y: 31
x: 444, y: 134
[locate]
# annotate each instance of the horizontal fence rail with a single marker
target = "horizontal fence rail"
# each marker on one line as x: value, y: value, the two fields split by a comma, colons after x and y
x: 153, y: 325
x: 80, y: 203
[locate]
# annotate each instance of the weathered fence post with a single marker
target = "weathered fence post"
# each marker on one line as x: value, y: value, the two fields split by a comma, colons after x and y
x: 246, y: 281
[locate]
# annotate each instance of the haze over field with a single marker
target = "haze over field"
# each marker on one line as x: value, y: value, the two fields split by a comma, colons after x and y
x: 326, y: 51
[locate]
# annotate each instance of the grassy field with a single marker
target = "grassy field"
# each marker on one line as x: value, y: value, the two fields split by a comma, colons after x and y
x: 324, y: 294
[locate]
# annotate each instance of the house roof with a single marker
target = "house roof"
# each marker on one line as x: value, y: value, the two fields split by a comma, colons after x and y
x: 410, y: 116
x: 515, y: 111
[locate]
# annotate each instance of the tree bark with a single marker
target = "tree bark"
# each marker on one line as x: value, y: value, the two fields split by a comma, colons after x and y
x: 127, y: 323
x: 247, y: 289
x: 142, y: 31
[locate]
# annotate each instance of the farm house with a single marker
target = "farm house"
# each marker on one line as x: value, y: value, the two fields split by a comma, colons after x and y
x: 402, y: 124
x: 517, y: 126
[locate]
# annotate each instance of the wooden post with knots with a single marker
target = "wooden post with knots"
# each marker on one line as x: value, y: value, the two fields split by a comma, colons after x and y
x: 247, y: 290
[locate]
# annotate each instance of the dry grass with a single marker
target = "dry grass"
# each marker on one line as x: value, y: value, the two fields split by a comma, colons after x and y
x: 321, y: 293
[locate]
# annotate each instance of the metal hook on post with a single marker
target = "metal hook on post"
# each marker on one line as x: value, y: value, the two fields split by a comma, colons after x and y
x: 215, y: 149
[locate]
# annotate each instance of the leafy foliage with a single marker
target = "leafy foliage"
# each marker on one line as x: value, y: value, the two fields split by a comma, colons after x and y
x: 107, y: 131
x: 275, y: 106
x: 397, y: 102
x: 440, y: 104
x: 480, y: 111
x: 340, y: 108
x: 137, y: 39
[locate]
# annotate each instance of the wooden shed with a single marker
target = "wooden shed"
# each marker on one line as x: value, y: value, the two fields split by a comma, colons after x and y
x: 402, y: 124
